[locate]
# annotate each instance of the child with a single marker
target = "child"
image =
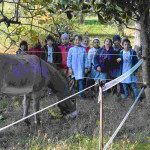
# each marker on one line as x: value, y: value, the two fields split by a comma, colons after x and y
x: 115, y: 70
x: 77, y: 62
x: 102, y: 60
x: 23, y: 48
x: 128, y: 59
x: 85, y: 43
x: 124, y: 38
x: 64, y: 49
x: 36, y: 49
x: 50, y: 52
x: 91, y: 54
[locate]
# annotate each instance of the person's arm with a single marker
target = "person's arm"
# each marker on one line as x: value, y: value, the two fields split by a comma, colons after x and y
x: 89, y: 58
x: 96, y: 62
x: 69, y: 61
x: 86, y: 60
x: 58, y: 58
x: 69, y: 58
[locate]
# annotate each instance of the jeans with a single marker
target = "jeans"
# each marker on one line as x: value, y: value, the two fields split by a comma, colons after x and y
x: 81, y: 87
x: 134, y: 88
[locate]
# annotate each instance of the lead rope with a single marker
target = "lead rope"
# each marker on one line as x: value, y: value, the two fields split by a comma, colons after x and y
x: 124, y: 119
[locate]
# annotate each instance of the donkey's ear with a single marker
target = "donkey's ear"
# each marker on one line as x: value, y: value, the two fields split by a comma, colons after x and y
x: 71, y: 83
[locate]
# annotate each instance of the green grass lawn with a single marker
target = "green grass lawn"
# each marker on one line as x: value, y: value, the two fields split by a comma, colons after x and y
x: 93, y: 29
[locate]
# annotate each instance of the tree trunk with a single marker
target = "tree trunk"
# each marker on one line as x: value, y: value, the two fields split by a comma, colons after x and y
x: 81, y: 17
x: 137, y: 37
x: 145, y: 53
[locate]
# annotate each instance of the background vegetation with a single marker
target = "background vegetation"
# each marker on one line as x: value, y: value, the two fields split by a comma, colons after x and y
x: 38, y: 19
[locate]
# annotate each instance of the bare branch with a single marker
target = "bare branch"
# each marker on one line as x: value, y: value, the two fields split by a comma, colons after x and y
x: 8, y: 35
x: 18, y: 3
x: 8, y: 47
x: 37, y: 27
x: 17, y: 10
x: 131, y: 28
x: 8, y: 21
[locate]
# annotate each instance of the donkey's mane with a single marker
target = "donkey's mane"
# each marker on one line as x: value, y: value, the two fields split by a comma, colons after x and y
x: 58, y: 69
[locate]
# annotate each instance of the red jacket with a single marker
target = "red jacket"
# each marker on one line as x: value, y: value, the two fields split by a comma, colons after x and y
x: 35, y: 50
x: 64, y: 53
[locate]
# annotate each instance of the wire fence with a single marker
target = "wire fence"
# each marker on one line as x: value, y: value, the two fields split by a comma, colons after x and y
x: 107, y: 86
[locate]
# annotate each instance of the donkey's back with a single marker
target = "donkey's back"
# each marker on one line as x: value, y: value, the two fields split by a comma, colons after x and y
x: 22, y: 74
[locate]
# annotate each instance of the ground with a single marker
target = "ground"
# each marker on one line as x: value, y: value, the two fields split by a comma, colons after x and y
x: 86, y: 123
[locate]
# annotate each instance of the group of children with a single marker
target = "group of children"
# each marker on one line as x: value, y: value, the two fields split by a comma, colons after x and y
x: 96, y: 63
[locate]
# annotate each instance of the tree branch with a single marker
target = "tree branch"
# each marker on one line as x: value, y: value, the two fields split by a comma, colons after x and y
x: 17, y: 10
x: 8, y: 35
x: 8, y: 21
x: 130, y: 28
x: 148, y: 7
x: 37, y: 27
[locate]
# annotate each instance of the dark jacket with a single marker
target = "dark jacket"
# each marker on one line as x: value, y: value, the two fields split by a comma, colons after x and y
x: 57, y: 59
x: 115, y: 64
x: 103, y: 60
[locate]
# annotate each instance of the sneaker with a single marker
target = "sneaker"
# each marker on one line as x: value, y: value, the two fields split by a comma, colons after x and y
x: 123, y: 96
x: 72, y: 115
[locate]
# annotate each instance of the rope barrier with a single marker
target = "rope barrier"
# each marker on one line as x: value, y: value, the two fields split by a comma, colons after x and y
x: 73, y: 53
x: 28, y: 52
x: 123, y: 121
x: 122, y: 77
x: 107, y: 86
x: 140, y: 82
x: 1, y: 129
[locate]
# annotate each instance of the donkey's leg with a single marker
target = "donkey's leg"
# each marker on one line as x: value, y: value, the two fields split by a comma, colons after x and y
x: 36, y: 108
x: 26, y: 105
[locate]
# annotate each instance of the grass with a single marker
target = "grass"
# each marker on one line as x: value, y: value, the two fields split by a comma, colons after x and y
x: 80, y: 142
x: 103, y: 31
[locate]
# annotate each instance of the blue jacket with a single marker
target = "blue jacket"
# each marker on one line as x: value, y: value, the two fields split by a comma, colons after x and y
x: 77, y: 60
x: 134, y: 58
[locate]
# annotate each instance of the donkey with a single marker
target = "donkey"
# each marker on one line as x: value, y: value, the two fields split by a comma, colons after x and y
x: 28, y: 75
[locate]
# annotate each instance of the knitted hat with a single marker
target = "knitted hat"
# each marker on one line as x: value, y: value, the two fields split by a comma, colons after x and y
x: 65, y: 35
x: 96, y: 39
x: 116, y: 37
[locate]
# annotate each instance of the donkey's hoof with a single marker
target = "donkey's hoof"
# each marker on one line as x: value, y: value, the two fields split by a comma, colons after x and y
x: 72, y: 115
x: 37, y: 122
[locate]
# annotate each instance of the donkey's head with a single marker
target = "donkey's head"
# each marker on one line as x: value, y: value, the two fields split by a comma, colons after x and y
x: 69, y: 86
x: 62, y: 87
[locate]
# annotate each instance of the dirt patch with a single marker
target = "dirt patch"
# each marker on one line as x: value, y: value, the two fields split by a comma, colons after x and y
x: 86, y: 123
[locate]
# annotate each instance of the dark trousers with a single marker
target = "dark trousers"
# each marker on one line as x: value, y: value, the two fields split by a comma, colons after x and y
x: 114, y: 88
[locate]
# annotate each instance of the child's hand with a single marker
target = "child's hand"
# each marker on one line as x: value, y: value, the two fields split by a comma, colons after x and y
x: 118, y: 60
x: 99, y: 68
x: 70, y: 71
x: 86, y: 71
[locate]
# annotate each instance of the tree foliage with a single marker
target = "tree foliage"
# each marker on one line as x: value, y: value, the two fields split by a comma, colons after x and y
x: 31, y: 19
x: 40, y: 17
